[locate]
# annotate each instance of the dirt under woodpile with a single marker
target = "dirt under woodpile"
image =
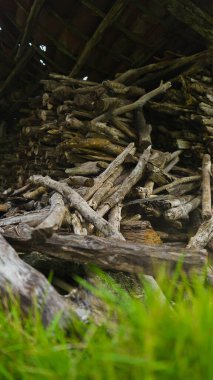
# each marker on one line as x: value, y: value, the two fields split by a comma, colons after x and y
x: 110, y: 174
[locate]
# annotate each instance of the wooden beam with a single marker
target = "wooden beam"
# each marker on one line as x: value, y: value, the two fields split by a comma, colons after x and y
x: 30, y: 23
x: 110, y: 17
x: 60, y: 47
x: 197, y: 19
x: 131, y: 36
x: 84, y: 37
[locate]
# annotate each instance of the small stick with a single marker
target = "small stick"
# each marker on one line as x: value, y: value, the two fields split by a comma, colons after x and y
x: 171, y: 164
x: 206, y: 187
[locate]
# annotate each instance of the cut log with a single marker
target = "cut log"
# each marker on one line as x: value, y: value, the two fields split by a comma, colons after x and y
x: 140, y: 232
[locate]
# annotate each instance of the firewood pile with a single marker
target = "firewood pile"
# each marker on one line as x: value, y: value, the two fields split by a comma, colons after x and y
x: 110, y: 175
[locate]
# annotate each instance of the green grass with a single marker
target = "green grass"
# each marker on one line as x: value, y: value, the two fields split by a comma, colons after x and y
x: 139, y: 340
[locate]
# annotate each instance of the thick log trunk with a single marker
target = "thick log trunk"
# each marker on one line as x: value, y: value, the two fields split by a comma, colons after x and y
x: 31, y: 288
x: 109, y: 253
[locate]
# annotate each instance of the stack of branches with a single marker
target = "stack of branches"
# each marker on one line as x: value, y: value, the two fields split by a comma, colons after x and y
x: 185, y: 116
x: 104, y: 192
x: 78, y: 121
x: 74, y: 121
x: 84, y: 220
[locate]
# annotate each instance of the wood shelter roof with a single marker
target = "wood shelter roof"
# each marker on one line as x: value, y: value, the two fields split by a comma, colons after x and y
x: 95, y: 38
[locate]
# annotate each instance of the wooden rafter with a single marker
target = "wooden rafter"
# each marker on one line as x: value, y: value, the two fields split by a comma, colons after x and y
x: 198, y: 20
x: 60, y: 47
x: 110, y: 17
x: 34, y: 12
x: 119, y: 26
x: 77, y: 32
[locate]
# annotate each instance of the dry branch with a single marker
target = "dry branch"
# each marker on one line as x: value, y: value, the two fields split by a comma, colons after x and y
x: 78, y: 203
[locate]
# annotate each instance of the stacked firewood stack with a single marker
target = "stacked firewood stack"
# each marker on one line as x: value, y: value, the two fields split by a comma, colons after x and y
x: 109, y: 160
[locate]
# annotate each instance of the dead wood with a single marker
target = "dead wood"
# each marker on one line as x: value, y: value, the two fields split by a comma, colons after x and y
x: 114, y: 217
x: 128, y: 183
x: 203, y: 235
x: 31, y: 288
x: 113, y: 254
x: 143, y: 129
x: 182, y: 211
x: 78, y: 203
x: 55, y: 217
x: 176, y: 183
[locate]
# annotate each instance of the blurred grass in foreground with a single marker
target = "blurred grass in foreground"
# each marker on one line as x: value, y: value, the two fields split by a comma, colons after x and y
x: 140, y: 338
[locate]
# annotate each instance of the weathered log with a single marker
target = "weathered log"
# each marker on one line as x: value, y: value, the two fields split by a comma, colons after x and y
x: 182, y: 211
x: 140, y: 232
x: 55, y: 217
x: 203, y: 235
x: 31, y: 288
x: 33, y: 218
x: 206, y: 187
x: 112, y: 254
